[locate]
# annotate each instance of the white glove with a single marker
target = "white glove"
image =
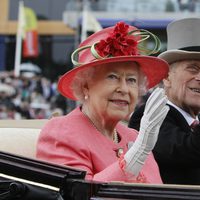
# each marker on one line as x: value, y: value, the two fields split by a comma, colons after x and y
x: 154, y: 114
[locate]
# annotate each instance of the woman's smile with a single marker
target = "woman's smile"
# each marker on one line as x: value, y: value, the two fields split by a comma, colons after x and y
x: 120, y: 102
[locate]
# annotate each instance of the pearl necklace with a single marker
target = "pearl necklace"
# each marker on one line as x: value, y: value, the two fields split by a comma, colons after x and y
x: 115, y: 135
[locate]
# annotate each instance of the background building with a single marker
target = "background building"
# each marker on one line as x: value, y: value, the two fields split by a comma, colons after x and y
x: 56, y: 47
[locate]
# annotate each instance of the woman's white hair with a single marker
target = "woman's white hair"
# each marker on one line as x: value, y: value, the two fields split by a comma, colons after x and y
x: 80, y: 80
x: 85, y: 76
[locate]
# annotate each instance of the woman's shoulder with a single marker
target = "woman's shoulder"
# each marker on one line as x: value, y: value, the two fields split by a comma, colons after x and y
x: 65, y: 121
x: 64, y: 128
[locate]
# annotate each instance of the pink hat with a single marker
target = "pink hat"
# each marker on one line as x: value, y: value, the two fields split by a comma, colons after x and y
x: 120, y: 43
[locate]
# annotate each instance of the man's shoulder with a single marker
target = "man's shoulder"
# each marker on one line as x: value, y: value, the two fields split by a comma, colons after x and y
x: 173, y: 112
x: 138, y: 111
x: 173, y: 116
x: 135, y: 118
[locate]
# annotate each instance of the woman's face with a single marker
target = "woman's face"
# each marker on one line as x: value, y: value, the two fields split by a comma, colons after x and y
x: 113, y: 91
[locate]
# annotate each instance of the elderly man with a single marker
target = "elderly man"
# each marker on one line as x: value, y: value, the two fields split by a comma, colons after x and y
x: 177, y: 151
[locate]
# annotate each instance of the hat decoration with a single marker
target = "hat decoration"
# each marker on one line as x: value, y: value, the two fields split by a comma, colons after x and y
x: 121, y: 42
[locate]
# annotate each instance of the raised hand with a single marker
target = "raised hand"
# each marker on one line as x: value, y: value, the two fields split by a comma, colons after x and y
x: 154, y: 114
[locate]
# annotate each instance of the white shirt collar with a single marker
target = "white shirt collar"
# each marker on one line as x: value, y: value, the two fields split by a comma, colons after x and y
x: 186, y: 115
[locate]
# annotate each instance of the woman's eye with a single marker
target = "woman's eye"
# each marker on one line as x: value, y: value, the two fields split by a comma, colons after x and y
x: 112, y: 76
x: 132, y: 80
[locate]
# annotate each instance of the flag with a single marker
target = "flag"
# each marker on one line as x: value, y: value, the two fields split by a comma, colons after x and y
x: 19, y: 35
x: 89, y: 24
x: 30, y: 36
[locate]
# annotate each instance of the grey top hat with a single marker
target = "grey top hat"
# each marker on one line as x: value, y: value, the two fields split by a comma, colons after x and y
x: 183, y: 40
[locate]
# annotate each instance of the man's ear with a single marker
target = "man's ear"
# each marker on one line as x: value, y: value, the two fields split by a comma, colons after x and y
x: 167, y: 81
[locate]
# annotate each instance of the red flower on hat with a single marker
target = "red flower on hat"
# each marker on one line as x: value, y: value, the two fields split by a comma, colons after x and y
x: 119, y: 43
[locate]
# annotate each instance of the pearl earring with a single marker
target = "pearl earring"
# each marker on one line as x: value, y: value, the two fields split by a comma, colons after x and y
x: 86, y: 97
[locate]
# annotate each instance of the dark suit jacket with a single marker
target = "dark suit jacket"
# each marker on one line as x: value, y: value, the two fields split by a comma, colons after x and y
x: 177, y: 150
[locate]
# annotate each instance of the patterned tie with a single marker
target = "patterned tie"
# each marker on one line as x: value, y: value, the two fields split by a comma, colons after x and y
x: 194, y: 124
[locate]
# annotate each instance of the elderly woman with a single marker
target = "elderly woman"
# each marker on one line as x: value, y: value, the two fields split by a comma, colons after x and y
x: 109, y: 76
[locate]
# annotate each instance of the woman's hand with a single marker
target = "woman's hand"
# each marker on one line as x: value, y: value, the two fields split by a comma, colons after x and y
x: 154, y: 114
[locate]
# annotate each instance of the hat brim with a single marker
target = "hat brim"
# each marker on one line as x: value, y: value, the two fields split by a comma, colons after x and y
x: 172, y: 56
x: 154, y: 68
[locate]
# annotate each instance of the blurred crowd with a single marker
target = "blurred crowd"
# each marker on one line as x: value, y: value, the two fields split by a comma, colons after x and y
x: 30, y: 97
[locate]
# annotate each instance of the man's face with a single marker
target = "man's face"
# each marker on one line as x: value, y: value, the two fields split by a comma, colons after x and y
x: 183, y: 85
